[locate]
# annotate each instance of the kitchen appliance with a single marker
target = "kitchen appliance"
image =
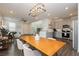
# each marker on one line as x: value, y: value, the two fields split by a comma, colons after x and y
x: 66, y: 31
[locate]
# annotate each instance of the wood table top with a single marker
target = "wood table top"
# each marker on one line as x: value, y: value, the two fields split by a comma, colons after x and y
x: 47, y: 46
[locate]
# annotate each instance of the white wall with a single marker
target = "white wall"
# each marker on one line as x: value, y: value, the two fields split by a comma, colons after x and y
x: 75, y: 32
x: 26, y: 28
x: 7, y: 20
x: 20, y: 25
x: 78, y: 30
x: 43, y: 24
x: 78, y: 27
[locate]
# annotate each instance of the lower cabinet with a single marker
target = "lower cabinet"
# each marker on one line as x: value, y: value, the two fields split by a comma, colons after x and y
x: 58, y: 34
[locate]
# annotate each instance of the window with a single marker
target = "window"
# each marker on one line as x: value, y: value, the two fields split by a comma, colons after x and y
x: 12, y: 26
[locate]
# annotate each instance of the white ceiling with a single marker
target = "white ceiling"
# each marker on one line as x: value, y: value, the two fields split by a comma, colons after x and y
x: 21, y: 10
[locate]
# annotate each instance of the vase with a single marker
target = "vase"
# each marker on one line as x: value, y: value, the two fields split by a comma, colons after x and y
x: 37, y: 37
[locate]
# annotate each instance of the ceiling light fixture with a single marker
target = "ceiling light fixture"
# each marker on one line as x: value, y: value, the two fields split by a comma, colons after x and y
x: 66, y: 8
x: 37, y: 10
x: 70, y: 14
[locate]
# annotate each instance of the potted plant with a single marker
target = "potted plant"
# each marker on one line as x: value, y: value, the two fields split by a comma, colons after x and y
x: 4, y: 31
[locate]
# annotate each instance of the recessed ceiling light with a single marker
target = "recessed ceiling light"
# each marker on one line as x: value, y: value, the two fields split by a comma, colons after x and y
x: 11, y: 12
x: 66, y: 8
x: 70, y: 14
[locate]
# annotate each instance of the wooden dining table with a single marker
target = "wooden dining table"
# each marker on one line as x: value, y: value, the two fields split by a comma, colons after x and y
x: 48, y: 46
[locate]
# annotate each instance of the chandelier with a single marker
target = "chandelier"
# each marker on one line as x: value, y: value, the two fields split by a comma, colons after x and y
x: 37, y: 10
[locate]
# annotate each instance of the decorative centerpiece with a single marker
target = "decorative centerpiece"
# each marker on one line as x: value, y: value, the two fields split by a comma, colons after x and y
x: 37, y: 37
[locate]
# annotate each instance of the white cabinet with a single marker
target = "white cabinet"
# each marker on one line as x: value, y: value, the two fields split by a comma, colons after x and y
x: 46, y: 34
x: 58, y: 34
x: 43, y: 33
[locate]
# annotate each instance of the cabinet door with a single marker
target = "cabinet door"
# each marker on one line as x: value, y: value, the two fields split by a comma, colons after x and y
x: 58, y: 34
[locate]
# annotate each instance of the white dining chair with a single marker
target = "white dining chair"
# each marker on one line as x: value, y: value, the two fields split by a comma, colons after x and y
x: 20, y: 44
x: 37, y: 53
x: 29, y: 52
